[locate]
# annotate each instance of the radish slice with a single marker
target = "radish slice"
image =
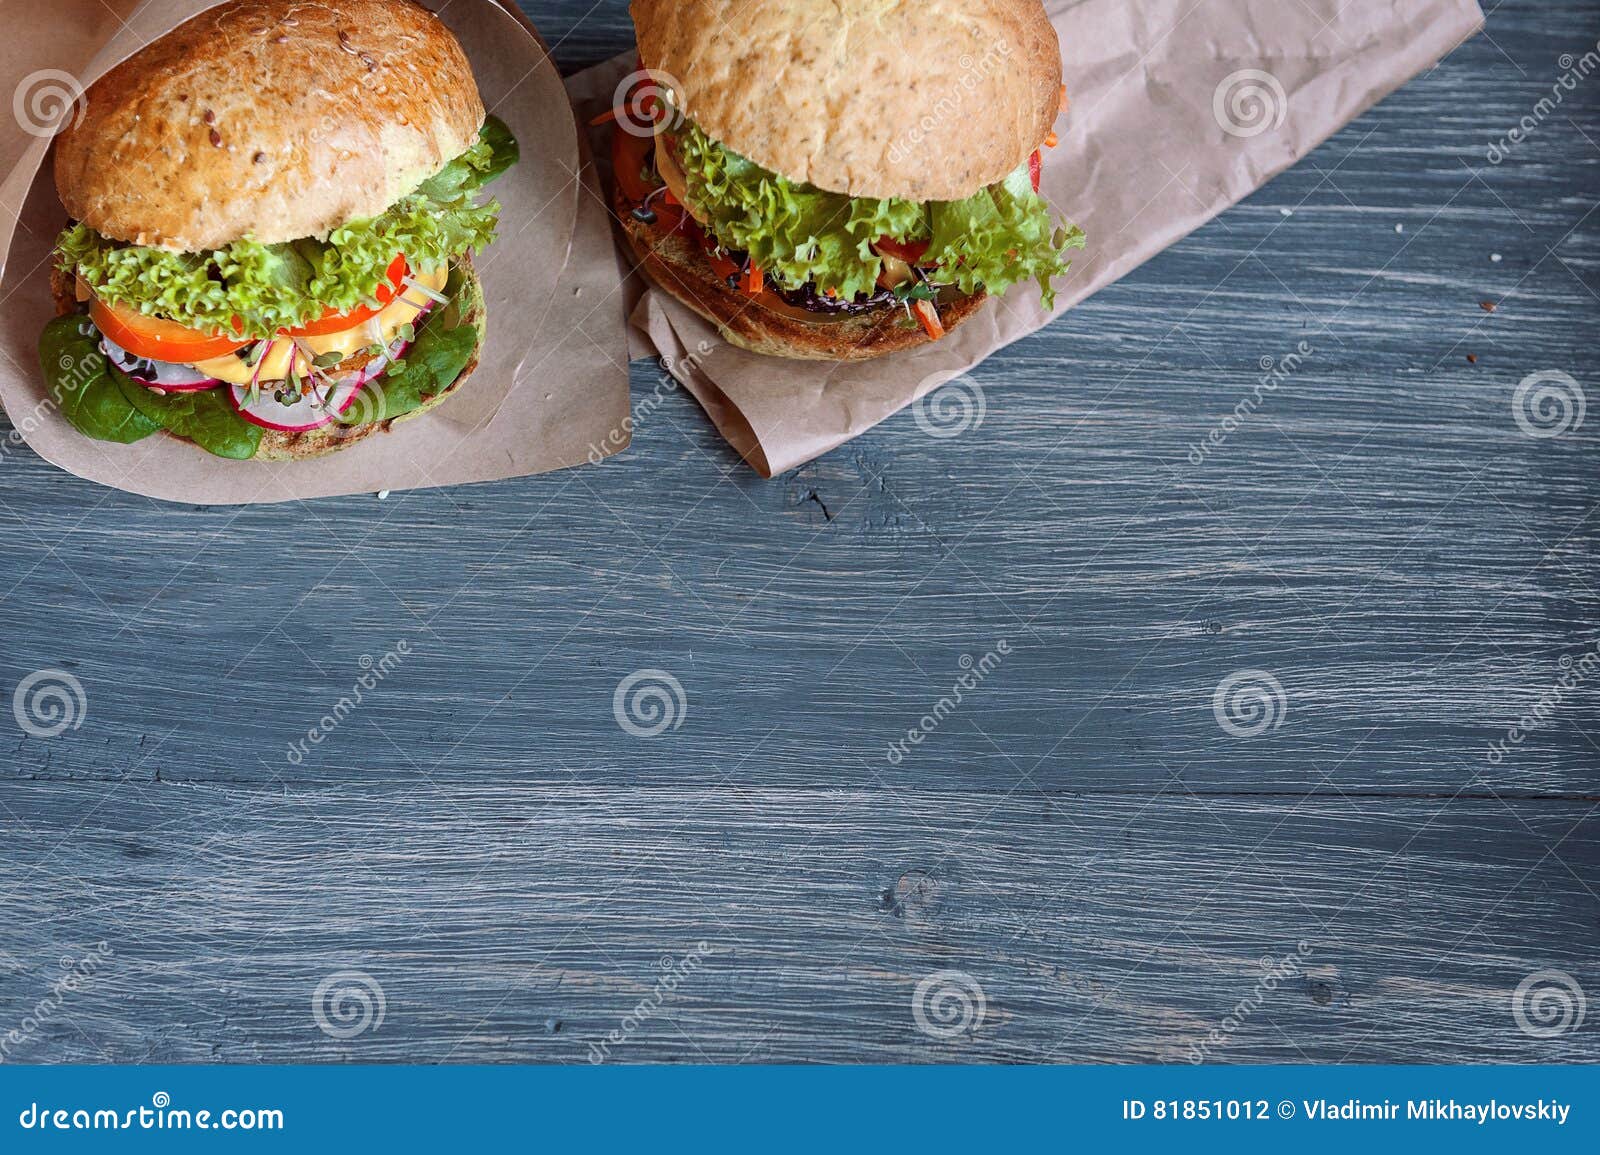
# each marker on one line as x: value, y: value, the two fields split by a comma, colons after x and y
x: 315, y: 408
x: 310, y: 412
x: 163, y: 376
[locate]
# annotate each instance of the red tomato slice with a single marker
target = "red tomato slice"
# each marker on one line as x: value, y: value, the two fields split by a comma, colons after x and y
x: 332, y: 322
x: 156, y: 339
x: 908, y: 251
x: 722, y: 265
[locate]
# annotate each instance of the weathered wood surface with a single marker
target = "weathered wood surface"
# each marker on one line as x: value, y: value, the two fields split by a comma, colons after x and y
x: 1079, y: 836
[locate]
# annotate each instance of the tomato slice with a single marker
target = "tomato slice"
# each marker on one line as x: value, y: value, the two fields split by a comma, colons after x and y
x: 628, y: 156
x: 333, y: 322
x: 1035, y: 168
x: 908, y: 251
x: 724, y: 268
x: 157, y: 339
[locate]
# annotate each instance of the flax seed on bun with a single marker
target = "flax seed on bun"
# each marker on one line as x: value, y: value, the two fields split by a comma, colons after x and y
x: 827, y: 92
x: 273, y: 119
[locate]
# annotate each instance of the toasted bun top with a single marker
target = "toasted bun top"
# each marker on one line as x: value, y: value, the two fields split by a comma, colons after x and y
x: 876, y: 98
x: 273, y: 119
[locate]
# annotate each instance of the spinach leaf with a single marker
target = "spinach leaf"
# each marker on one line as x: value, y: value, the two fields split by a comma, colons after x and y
x: 78, y: 377
x: 207, y: 417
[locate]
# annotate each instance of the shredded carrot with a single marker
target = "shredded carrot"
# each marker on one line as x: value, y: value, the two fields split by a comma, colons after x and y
x: 605, y: 117
x: 929, y: 316
x: 1065, y: 103
x: 754, y: 282
x: 1052, y: 140
x: 666, y: 195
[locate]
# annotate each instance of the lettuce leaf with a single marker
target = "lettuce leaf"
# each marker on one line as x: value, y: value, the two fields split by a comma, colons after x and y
x: 795, y: 233
x: 254, y: 290
x: 1000, y: 236
x: 798, y: 234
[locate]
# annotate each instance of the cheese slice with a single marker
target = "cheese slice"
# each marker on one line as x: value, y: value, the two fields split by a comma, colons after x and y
x: 283, y: 353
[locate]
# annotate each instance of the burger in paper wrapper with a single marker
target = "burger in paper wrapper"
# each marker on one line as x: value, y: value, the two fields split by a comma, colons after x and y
x: 275, y: 209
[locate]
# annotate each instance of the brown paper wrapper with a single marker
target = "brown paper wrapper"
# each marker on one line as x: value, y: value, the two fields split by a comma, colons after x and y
x: 1179, y: 109
x: 552, y: 385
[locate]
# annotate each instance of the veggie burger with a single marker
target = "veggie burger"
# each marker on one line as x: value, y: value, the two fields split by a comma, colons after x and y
x: 840, y: 181
x: 275, y: 209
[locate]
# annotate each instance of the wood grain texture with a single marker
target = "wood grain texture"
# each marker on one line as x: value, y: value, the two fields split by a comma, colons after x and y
x: 1080, y: 836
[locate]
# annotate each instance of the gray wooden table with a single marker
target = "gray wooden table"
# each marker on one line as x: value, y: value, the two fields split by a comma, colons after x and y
x: 1399, y: 569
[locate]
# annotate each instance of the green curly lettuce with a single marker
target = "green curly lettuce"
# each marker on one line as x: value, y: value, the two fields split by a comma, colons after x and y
x: 798, y: 234
x: 1000, y: 236
x: 253, y: 290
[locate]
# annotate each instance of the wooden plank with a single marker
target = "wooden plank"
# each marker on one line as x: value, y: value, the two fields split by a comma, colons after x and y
x: 527, y: 924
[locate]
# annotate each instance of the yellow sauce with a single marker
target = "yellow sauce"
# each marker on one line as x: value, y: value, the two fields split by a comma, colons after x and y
x: 284, y: 354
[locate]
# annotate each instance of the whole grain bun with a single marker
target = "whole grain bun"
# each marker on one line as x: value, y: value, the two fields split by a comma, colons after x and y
x: 871, y: 98
x: 274, y: 119
x: 678, y: 264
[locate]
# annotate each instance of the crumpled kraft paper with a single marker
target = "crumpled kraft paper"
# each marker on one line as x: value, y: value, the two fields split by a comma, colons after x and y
x: 552, y: 385
x: 1179, y: 109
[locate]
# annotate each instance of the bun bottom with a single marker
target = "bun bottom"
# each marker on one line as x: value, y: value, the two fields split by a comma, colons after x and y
x: 675, y: 261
